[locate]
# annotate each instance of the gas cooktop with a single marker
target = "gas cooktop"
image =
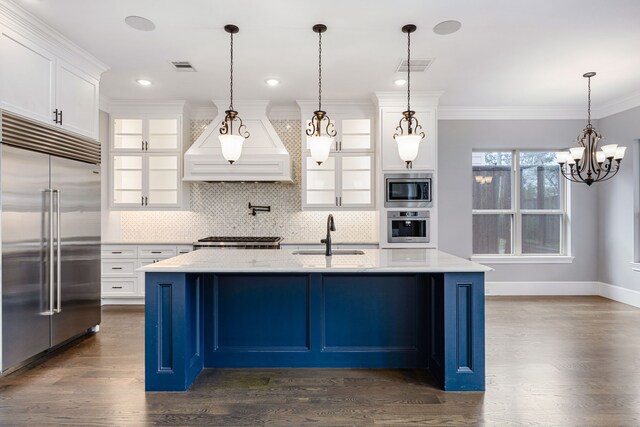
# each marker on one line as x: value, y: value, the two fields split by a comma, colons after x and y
x: 239, y: 242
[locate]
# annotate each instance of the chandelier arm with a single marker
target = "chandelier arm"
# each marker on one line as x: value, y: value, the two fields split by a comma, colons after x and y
x: 615, y: 171
x: 562, y: 170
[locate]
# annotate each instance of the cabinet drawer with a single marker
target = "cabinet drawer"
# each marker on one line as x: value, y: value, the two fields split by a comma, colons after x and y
x: 184, y: 249
x: 156, y: 252
x: 119, y: 287
x: 118, y: 267
x: 120, y: 251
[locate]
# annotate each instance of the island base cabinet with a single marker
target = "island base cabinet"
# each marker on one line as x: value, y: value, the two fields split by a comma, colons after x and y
x: 432, y: 321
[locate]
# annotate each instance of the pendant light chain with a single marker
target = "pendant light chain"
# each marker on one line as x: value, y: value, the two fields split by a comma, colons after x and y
x: 319, y: 71
x: 589, y: 102
x: 231, y: 74
x: 408, y: 71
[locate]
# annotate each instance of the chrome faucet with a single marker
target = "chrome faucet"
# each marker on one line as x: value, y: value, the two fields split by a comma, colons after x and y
x: 331, y: 226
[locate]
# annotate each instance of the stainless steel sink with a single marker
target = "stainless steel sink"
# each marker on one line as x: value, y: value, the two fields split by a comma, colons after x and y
x: 334, y: 252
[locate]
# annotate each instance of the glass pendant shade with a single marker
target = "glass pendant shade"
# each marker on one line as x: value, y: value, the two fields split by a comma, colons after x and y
x: 562, y: 156
x: 600, y: 157
x: 620, y: 153
x: 408, y: 146
x: 609, y: 150
x: 577, y: 152
x: 231, y: 147
x: 320, y: 147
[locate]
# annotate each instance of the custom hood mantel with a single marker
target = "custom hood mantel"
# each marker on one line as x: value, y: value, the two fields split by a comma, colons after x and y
x: 264, y: 156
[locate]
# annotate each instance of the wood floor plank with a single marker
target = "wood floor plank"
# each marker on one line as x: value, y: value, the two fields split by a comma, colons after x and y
x: 569, y: 361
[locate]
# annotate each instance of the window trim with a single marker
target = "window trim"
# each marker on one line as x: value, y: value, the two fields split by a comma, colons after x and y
x: 517, y: 257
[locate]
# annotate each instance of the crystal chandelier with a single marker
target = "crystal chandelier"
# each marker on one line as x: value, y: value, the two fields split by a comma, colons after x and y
x: 408, y: 141
x: 585, y: 163
x: 319, y: 144
x: 231, y: 143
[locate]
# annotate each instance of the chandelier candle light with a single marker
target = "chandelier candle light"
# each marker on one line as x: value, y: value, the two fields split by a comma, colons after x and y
x: 320, y: 144
x: 231, y: 143
x: 408, y: 141
x: 585, y: 163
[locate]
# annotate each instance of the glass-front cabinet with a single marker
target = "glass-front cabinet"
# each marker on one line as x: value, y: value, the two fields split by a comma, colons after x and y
x: 146, y: 162
x: 346, y: 179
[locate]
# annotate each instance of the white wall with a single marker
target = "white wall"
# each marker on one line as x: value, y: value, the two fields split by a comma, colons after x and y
x: 456, y: 140
x: 618, y: 201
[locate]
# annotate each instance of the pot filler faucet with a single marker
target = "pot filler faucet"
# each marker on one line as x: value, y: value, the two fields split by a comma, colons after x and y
x: 331, y: 226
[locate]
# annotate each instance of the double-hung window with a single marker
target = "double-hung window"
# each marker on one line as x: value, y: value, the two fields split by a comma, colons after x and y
x: 519, y: 204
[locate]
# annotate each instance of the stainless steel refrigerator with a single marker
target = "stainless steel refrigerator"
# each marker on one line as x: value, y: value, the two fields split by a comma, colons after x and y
x: 50, y: 234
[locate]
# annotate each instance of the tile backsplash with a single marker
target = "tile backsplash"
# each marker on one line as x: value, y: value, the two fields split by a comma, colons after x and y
x: 219, y: 209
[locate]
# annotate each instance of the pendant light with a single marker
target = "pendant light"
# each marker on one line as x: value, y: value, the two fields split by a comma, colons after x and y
x: 585, y: 163
x: 231, y: 143
x: 408, y: 141
x: 320, y: 144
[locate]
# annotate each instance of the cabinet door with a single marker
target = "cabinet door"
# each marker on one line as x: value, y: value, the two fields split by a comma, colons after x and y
x: 77, y: 99
x: 127, y: 134
x: 356, y: 181
x: 426, y: 159
x: 163, y: 180
x: 127, y: 180
x: 355, y: 135
x: 163, y: 135
x: 26, y: 77
x: 320, y: 183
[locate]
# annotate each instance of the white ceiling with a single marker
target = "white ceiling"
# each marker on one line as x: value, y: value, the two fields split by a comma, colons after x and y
x: 508, y: 53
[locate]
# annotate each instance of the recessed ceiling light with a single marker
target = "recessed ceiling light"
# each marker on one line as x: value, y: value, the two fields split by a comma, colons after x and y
x: 272, y: 82
x: 139, y: 23
x: 400, y: 82
x: 447, y: 27
x: 144, y: 82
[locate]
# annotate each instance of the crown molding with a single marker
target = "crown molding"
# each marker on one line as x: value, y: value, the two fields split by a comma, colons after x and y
x: 399, y: 98
x: 619, y: 105
x: 18, y: 19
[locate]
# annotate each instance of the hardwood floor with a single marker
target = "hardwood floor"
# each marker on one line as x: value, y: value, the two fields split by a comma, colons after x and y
x: 569, y: 361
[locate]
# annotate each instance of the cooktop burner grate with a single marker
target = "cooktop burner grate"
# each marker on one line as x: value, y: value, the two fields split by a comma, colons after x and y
x: 239, y: 242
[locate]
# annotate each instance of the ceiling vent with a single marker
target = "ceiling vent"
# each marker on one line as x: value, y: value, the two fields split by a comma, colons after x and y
x: 184, y: 66
x: 417, y: 65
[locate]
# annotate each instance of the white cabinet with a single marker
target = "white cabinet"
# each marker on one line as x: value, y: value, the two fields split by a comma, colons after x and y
x: 77, y: 99
x: 37, y: 83
x: 346, y: 179
x: 120, y: 280
x: 145, y: 157
x: 27, y: 77
x: 426, y: 159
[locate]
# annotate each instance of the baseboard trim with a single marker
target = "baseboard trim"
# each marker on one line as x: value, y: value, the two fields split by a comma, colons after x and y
x: 542, y: 288
x: 623, y: 295
x: 612, y: 292
x: 123, y: 301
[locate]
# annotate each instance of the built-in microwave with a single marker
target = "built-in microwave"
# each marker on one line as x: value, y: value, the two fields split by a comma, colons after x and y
x: 408, y: 227
x: 408, y: 190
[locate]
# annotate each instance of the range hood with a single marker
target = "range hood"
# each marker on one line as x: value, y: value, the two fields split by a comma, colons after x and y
x: 264, y: 156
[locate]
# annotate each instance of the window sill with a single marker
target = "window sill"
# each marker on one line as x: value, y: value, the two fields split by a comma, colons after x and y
x: 635, y: 266
x: 523, y: 259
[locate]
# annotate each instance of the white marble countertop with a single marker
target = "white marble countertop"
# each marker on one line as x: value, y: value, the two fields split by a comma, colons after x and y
x: 284, y: 260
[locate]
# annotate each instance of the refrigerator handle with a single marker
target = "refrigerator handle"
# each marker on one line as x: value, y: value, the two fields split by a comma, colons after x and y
x: 51, y: 289
x: 58, y: 308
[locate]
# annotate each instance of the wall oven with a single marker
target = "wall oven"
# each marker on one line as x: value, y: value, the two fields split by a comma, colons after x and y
x: 408, y: 190
x: 408, y: 226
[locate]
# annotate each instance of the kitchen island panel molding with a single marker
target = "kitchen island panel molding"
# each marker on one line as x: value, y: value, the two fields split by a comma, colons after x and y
x: 431, y: 320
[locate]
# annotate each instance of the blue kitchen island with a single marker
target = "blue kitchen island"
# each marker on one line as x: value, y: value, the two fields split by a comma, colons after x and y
x: 385, y: 308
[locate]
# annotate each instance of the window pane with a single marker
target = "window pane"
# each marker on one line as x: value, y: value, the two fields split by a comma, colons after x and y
x: 539, y: 181
x: 492, y: 234
x: 541, y: 234
x: 492, y: 180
